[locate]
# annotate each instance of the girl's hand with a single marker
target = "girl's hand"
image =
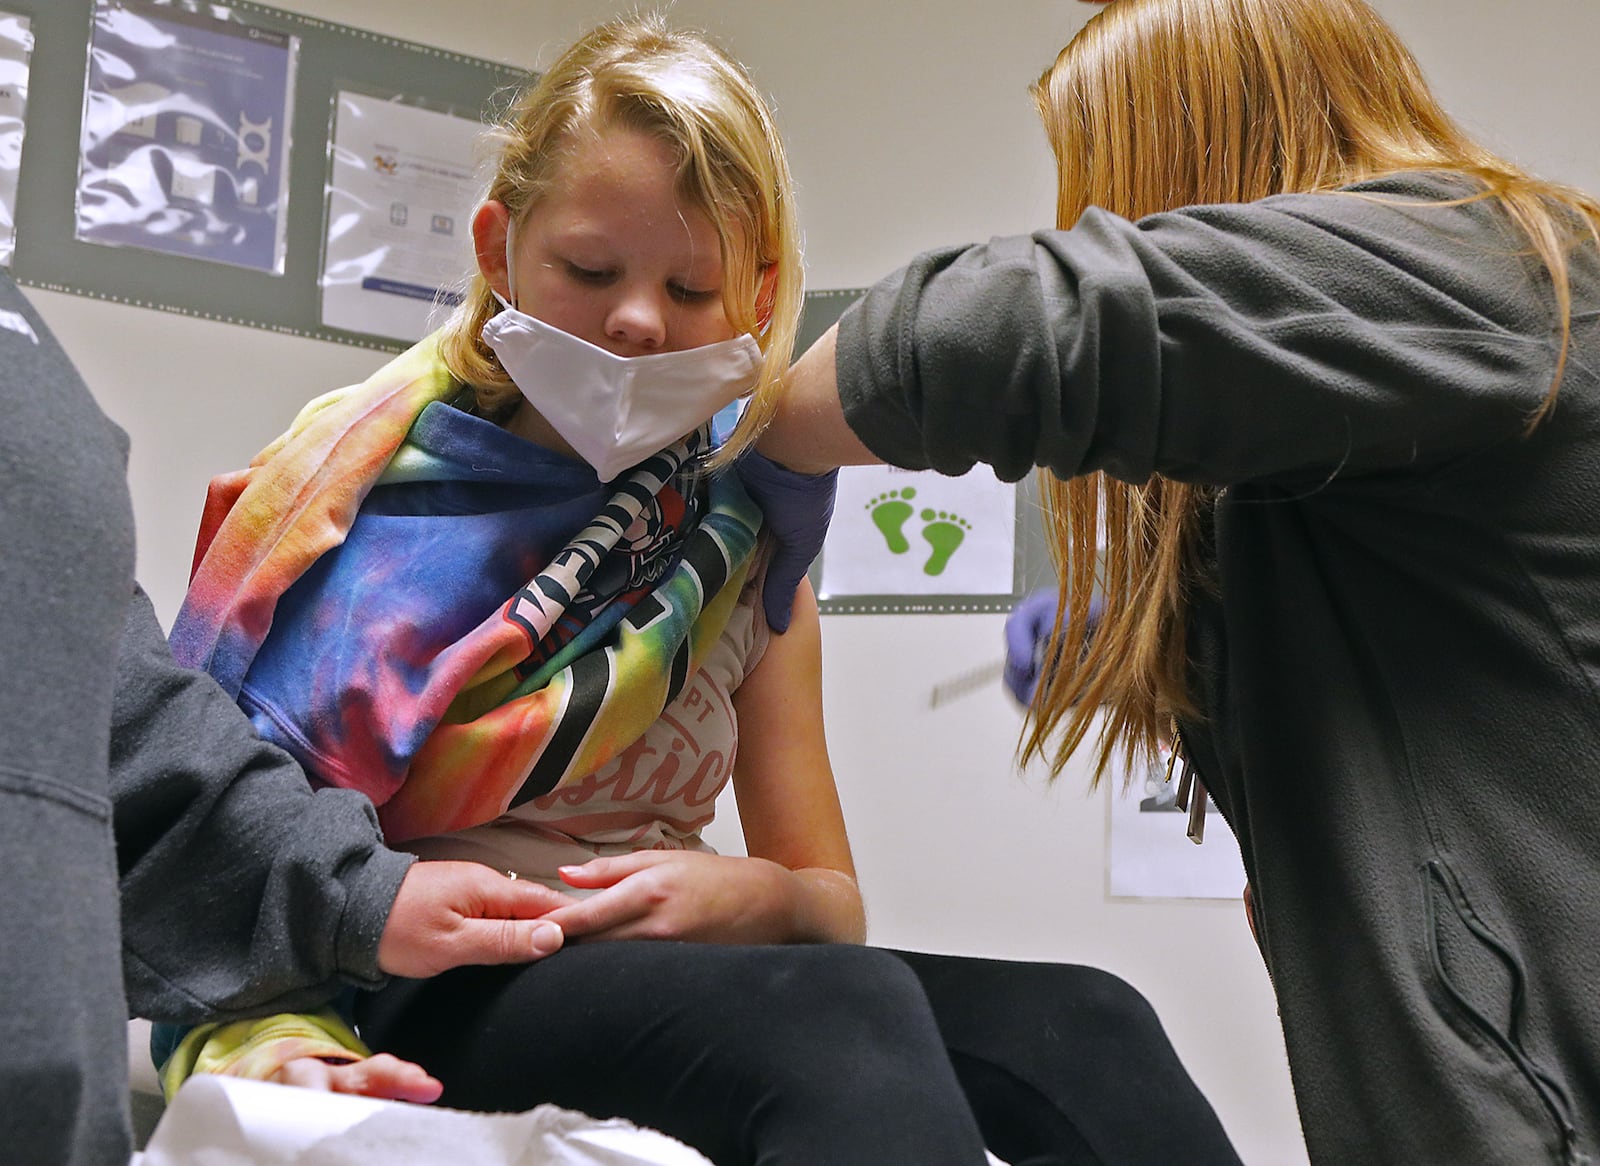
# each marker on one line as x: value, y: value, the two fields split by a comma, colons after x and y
x: 799, y: 885
x: 377, y: 1076
x: 681, y: 894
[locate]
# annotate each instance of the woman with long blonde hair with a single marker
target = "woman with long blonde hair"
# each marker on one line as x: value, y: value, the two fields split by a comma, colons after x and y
x: 1323, y: 375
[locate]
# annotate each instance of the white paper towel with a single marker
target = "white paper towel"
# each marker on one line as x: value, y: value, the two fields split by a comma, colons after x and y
x: 225, y: 1121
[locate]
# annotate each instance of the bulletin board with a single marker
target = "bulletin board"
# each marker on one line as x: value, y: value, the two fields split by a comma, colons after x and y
x: 330, y: 59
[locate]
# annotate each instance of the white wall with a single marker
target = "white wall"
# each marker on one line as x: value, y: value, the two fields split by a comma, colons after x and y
x: 909, y: 126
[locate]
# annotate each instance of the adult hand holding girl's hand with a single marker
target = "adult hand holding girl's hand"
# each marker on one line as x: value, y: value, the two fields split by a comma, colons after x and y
x: 681, y: 894
x: 445, y: 914
x: 452, y: 913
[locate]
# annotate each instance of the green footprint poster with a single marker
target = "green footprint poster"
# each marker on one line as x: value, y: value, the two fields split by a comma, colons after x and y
x: 898, y: 532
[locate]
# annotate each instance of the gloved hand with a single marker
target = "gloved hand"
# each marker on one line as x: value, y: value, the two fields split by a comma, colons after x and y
x: 798, y: 508
x: 1027, y: 635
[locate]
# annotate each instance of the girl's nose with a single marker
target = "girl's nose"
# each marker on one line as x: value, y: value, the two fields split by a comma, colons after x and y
x: 638, y: 320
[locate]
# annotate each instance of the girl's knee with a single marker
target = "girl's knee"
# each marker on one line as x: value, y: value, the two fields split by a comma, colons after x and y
x: 836, y: 1000
x: 841, y: 979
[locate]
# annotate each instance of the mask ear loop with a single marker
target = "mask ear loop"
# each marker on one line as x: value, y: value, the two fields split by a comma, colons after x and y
x: 511, y: 271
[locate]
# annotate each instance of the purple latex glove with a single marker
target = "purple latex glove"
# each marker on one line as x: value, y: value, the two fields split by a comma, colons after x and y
x: 1027, y: 635
x: 798, y: 508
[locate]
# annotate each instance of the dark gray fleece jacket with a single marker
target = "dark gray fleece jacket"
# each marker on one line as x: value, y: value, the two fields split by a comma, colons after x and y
x: 126, y: 780
x: 1398, y: 666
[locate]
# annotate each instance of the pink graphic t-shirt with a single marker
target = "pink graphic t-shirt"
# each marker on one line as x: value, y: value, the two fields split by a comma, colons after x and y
x: 658, y: 794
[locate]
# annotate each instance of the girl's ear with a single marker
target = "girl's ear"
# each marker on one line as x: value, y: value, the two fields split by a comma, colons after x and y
x: 490, y: 223
x: 766, y: 296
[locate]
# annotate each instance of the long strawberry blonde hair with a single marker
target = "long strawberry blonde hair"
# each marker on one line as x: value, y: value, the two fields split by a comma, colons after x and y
x: 1159, y: 104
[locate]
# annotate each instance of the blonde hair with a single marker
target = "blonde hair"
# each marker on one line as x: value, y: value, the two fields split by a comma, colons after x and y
x: 1159, y: 104
x: 638, y: 74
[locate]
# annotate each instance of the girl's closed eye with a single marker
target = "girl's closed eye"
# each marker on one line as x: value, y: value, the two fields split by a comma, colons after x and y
x: 693, y: 295
x: 595, y: 276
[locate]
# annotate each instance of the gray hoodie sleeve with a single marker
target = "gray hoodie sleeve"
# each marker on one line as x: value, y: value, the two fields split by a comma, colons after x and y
x: 1287, y: 340
x: 243, y: 891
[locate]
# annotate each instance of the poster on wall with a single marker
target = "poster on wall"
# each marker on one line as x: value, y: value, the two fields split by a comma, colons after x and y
x: 1149, y: 854
x: 402, y: 186
x: 16, y: 47
x: 185, y: 140
x: 906, y: 532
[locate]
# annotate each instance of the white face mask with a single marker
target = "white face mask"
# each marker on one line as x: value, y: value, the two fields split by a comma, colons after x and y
x: 615, y: 411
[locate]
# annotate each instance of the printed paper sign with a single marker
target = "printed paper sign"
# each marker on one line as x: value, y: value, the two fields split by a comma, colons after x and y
x: 185, y: 135
x: 1149, y: 853
x: 16, y: 46
x: 400, y: 197
x: 900, y: 532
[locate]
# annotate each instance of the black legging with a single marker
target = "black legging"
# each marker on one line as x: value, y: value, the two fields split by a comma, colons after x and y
x: 1067, y: 1066
x: 814, y: 1054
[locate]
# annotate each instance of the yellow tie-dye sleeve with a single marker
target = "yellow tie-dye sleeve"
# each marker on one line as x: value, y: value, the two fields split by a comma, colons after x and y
x: 259, y: 1048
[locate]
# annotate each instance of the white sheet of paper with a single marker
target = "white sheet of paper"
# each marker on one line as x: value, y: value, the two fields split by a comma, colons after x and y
x: 1149, y: 854
x: 225, y: 1121
x: 16, y: 47
x: 401, y: 192
x: 900, y: 532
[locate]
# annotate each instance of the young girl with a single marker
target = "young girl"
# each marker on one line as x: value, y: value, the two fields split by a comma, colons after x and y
x: 505, y: 589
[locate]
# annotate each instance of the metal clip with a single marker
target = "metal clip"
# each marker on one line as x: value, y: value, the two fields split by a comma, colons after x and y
x: 1197, y: 812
